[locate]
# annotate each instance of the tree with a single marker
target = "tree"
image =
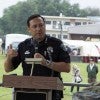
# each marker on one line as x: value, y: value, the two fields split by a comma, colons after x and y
x: 14, y: 19
x: 92, y: 11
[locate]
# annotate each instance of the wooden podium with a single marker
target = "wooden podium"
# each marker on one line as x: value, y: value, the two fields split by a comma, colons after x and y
x: 32, y: 84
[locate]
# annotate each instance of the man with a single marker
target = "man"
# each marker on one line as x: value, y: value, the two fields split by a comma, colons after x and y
x: 55, y: 59
x: 3, y: 47
x: 92, y: 70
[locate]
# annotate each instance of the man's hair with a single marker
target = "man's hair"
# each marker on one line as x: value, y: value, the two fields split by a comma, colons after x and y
x: 32, y: 17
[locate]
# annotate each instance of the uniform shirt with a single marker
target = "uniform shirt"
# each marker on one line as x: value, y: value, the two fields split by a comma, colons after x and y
x: 27, y: 49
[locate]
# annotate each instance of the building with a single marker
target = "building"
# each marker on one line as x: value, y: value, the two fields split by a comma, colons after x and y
x: 58, y: 26
x: 89, y: 32
x: 76, y: 28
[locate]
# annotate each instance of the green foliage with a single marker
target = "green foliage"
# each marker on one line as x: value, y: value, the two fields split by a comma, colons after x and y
x: 6, y: 93
x: 14, y: 19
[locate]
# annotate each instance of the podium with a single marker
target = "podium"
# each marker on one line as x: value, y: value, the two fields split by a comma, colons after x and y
x: 35, y: 84
x: 32, y: 84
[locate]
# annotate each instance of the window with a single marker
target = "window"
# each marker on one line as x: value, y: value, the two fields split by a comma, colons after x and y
x: 54, y: 35
x: 67, y: 23
x: 54, y: 24
x: 84, y: 23
x: 77, y: 23
x: 65, y: 36
x: 59, y: 36
x: 48, y: 22
x: 89, y: 22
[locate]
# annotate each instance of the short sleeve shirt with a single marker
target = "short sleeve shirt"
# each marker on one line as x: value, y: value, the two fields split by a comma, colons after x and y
x: 26, y: 49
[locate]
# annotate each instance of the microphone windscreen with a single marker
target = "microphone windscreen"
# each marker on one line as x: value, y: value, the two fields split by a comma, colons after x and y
x: 36, y: 46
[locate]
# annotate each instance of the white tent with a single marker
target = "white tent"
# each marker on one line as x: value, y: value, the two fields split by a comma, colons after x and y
x: 76, y: 43
x: 87, y: 48
x: 90, y: 49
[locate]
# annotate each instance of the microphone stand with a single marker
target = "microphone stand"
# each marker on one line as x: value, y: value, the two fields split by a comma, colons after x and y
x: 50, y: 57
x: 33, y: 61
x: 52, y: 73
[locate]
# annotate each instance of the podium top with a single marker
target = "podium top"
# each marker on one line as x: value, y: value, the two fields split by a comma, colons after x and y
x: 33, y: 60
x: 32, y: 82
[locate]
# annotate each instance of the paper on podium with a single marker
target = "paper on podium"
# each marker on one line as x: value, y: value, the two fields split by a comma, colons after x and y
x: 33, y: 60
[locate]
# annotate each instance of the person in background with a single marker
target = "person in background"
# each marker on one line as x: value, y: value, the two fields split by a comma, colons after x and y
x: 3, y: 47
x: 55, y: 59
x: 76, y: 76
x: 92, y: 70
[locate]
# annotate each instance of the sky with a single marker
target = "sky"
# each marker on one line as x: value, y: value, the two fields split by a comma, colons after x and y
x: 87, y: 3
x: 6, y: 3
x: 83, y: 4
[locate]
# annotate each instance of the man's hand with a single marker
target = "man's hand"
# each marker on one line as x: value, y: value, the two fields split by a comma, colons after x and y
x: 38, y: 55
x: 11, y: 52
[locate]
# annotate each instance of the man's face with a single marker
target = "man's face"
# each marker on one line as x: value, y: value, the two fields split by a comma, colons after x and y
x: 91, y: 62
x: 37, y: 28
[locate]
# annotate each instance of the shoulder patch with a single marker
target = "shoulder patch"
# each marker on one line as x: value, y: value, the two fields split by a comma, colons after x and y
x: 63, y: 47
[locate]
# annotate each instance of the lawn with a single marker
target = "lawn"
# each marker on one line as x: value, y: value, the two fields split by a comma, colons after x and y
x: 6, y: 93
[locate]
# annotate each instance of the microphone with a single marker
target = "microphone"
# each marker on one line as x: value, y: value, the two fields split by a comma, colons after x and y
x: 36, y: 44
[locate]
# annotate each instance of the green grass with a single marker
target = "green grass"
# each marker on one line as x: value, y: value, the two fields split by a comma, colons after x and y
x: 6, y: 93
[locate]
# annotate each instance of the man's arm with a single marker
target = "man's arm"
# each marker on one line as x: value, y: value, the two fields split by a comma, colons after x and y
x: 57, y: 66
x: 8, y: 65
x: 8, y: 62
x: 96, y: 69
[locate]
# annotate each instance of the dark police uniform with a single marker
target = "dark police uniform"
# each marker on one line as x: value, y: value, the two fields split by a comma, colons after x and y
x: 26, y: 49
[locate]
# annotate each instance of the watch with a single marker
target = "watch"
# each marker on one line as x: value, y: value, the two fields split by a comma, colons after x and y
x: 48, y: 63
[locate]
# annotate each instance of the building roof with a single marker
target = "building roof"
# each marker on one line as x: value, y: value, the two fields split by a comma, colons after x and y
x: 64, y: 17
x: 93, y: 29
